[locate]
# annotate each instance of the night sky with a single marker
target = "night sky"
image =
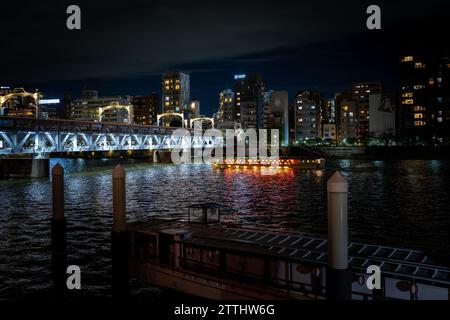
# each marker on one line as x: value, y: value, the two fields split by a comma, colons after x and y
x: 124, y: 47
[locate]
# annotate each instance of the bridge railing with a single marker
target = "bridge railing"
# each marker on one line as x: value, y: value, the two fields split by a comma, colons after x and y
x: 22, y: 123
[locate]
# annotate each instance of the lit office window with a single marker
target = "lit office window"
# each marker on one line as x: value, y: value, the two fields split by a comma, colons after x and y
x: 407, y: 94
x: 407, y: 58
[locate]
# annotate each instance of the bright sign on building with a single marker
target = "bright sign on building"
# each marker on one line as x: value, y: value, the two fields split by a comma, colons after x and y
x: 239, y: 76
x: 49, y: 101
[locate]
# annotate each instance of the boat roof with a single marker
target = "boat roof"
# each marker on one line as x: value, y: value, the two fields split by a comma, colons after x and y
x: 212, y: 205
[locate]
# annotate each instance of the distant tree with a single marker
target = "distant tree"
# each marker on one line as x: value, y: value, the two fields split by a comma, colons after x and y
x: 388, y: 137
x: 352, y: 141
x: 318, y: 141
x: 176, y: 123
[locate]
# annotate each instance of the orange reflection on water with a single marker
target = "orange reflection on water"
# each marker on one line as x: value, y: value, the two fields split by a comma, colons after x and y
x: 253, y: 190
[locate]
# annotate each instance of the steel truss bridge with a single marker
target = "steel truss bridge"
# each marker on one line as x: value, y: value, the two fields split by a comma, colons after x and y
x: 44, y: 136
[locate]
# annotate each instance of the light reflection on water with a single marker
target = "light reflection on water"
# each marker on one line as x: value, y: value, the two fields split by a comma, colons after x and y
x: 402, y: 203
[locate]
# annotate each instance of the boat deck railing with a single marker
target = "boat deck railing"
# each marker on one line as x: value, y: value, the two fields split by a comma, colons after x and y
x: 314, y: 289
x: 293, y: 262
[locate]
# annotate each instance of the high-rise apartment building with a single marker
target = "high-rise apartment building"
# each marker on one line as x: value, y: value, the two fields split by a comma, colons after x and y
x: 307, y: 106
x: 339, y: 98
x: 176, y: 93
x: 361, y: 92
x: 348, y: 126
x: 383, y: 116
x: 227, y: 110
x: 424, y: 109
x: 276, y: 114
x: 146, y: 109
x: 249, y: 94
x: 327, y: 120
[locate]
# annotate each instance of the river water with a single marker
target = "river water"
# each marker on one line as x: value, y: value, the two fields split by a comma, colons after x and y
x: 401, y: 203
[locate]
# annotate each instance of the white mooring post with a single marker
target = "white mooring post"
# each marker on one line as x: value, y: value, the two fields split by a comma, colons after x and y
x: 339, y: 279
x: 119, y: 236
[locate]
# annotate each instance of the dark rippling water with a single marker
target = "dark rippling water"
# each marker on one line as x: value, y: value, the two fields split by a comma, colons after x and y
x: 402, y: 203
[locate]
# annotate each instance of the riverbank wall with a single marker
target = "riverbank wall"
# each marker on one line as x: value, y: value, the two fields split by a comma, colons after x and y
x: 373, y: 152
x: 24, y: 168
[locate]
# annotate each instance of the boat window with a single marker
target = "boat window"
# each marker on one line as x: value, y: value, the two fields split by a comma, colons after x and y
x: 212, y: 215
x: 196, y: 215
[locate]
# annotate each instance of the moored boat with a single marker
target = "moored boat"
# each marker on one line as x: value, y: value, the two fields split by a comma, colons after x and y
x: 243, y: 163
x: 204, y: 257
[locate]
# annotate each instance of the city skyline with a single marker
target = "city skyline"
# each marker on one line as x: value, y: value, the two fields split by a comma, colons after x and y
x: 212, y: 158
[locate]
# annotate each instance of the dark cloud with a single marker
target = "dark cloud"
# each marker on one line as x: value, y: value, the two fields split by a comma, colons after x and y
x: 126, y: 42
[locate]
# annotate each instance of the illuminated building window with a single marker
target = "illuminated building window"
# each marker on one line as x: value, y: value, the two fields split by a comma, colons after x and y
x: 419, y: 108
x: 345, y: 108
x: 177, y: 87
x: 419, y: 86
x: 431, y: 82
x: 407, y: 94
x: 419, y: 123
x: 439, y: 119
x: 166, y: 82
x: 407, y: 58
x: 418, y: 116
x: 408, y: 101
x: 419, y: 65
x: 167, y: 87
